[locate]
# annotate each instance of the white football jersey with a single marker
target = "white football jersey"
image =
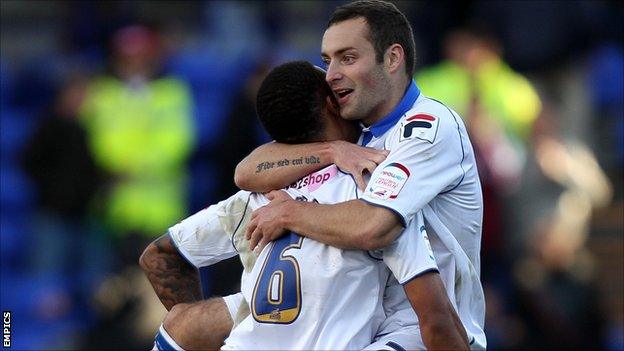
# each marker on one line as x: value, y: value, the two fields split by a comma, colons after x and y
x: 431, y: 169
x: 329, y: 298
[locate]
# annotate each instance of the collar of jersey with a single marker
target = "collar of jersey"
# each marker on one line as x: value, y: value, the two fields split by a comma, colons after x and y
x: 393, y: 117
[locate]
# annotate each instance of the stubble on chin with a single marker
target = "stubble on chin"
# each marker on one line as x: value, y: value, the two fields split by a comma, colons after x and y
x: 349, y: 114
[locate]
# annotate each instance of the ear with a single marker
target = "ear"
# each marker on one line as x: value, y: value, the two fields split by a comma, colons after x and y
x: 394, y: 58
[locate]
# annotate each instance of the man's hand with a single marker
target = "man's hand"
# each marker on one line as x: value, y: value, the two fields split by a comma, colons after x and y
x: 265, y: 225
x: 357, y: 160
x: 277, y: 196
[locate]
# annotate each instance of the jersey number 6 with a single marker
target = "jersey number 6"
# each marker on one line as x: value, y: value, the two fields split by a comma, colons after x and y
x: 277, y: 293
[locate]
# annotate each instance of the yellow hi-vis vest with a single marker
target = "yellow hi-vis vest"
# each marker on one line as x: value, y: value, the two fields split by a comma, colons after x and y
x: 142, y: 137
x: 506, y: 95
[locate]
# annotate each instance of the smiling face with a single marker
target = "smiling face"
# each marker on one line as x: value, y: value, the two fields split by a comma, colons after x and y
x: 361, y: 84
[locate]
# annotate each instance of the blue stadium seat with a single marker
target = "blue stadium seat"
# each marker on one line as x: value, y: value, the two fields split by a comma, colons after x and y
x: 15, y: 232
x: 211, y: 109
x: 33, y: 326
x: 34, y: 85
x: 214, y: 77
x: 17, y: 196
x: 6, y: 81
x: 17, y: 126
x: 202, y: 184
x: 606, y: 75
x: 16, y: 191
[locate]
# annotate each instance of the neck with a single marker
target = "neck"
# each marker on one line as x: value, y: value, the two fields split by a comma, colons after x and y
x: 397, y: 91
x: 337, y: 128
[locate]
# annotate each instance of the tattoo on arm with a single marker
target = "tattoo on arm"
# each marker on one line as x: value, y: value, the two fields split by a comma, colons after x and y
x: 174, y: 280
x: 308, y: 160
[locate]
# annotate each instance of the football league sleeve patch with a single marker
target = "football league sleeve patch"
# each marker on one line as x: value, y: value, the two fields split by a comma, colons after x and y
x: 388, y: 183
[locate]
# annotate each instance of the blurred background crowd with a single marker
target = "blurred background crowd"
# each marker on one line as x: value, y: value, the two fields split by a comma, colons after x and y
x: 119, y: 118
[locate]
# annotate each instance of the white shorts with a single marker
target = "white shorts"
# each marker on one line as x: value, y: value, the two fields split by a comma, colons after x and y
x: 233, y: 302
x: 406, y: 338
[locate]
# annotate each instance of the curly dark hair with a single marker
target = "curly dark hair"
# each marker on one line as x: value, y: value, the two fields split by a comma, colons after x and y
x: 291, y: 100
x: 387, y: 25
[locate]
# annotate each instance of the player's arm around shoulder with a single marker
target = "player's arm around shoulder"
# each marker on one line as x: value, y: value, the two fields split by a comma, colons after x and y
x: 380, y: 226
x: 353, y: 224
x: 275, y: 165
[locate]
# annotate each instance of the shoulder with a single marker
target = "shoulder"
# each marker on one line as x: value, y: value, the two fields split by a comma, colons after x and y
x: 428, y: 121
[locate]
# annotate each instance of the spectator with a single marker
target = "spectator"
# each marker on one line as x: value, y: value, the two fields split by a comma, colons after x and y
x: 141, y: 132
x: 65, y: 244
x: 500, y: 107
x: 554, y: 275
x: 474, y: 69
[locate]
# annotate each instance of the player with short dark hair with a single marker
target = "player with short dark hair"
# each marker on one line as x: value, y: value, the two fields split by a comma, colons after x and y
x: 285, y: 93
